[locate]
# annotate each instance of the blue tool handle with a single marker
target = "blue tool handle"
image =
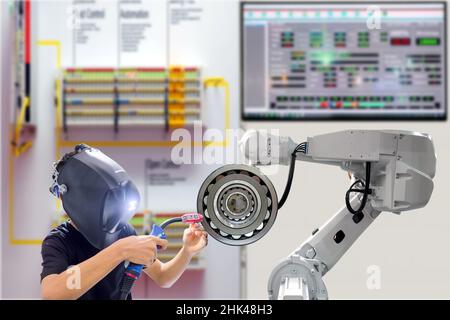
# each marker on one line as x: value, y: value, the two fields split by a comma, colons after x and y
x: 157, y: 231
x: 136, y: 269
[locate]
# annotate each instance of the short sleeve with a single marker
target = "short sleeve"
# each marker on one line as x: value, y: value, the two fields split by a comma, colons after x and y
x: 55, y: 258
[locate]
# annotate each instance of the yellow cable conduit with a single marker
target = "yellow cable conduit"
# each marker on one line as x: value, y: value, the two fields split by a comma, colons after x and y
x: 207, y: 83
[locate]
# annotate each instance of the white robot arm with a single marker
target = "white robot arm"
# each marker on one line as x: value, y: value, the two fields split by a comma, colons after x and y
x: 393, y: 172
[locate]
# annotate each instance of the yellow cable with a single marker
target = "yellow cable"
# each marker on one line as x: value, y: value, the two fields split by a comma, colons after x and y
x: 221, y: 82
x: 19, y: 149
x: 217, y: 82
x: 12, y: 238
x: 56, y: 44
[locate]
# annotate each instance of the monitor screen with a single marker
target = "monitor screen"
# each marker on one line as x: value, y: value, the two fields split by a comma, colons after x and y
x: 349, y: 60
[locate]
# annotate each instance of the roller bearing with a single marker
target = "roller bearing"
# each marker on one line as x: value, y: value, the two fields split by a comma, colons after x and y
x: 239, y: 204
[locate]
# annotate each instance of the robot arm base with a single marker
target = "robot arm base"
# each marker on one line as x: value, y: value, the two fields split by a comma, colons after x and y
x: 297, y: 278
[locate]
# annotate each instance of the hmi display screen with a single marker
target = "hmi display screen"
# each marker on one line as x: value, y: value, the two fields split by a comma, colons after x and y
x: 351, y: 60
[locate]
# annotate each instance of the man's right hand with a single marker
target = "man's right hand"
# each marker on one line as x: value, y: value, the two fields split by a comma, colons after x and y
x: 140, y: 249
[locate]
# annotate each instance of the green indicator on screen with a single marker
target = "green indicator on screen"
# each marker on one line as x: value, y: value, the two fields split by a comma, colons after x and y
x: 371, y: 104
x: 350, y: 69
x: 347, y: 104
x: 428, y: 41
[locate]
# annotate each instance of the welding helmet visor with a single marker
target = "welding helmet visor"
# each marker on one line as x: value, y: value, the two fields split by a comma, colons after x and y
x: 99, y: 196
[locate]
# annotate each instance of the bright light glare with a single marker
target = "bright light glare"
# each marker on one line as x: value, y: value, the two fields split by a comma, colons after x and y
x: 132, y: 205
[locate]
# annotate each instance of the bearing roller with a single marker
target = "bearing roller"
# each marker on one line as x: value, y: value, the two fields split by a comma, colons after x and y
x: 239, y: 204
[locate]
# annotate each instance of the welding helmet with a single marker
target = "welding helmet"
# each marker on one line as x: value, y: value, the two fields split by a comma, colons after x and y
x: 96, y: 193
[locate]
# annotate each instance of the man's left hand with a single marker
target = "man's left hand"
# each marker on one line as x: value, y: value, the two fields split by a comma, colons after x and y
x: 194, y: 239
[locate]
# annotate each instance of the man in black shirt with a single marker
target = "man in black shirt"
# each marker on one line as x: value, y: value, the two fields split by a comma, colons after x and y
x: 83, y: 260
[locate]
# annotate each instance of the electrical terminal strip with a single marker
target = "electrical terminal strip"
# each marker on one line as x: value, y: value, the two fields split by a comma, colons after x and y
x: 166, y: 97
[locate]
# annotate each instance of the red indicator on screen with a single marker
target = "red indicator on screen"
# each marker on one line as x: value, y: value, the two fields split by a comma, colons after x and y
x: 400, y: 41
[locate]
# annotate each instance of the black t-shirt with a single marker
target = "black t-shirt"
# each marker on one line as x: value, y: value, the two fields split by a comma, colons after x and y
x: 65, y: 246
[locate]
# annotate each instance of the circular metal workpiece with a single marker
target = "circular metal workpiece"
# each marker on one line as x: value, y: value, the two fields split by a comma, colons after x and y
x: 239, y: 204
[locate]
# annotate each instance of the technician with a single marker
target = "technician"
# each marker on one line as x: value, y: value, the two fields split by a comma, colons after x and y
x: 85, y: 258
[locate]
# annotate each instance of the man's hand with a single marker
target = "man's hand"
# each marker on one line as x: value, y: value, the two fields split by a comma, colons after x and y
x: 140, y: 249
x: 194, y: 239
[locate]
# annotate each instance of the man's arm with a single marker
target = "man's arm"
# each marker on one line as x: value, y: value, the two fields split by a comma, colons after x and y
x: 166, y: 274
x: 91, y: 271
x: 137, y: 249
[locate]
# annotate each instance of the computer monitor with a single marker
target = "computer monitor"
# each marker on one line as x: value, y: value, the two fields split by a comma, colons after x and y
x: 343, y: 60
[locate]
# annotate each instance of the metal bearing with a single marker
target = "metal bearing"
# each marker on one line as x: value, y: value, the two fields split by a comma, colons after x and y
x: 239, y: 204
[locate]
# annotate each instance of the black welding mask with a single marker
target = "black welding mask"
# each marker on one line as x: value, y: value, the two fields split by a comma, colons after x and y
x: 97, y: 194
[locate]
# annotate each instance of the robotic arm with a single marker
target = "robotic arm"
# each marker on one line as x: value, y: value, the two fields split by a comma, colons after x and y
x: 392, y: 171
x: 401, y: 164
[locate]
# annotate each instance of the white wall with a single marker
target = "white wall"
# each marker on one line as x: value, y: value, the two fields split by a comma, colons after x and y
x: 6, y: 87
x: 1, y: 139
x: 411, y: 249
